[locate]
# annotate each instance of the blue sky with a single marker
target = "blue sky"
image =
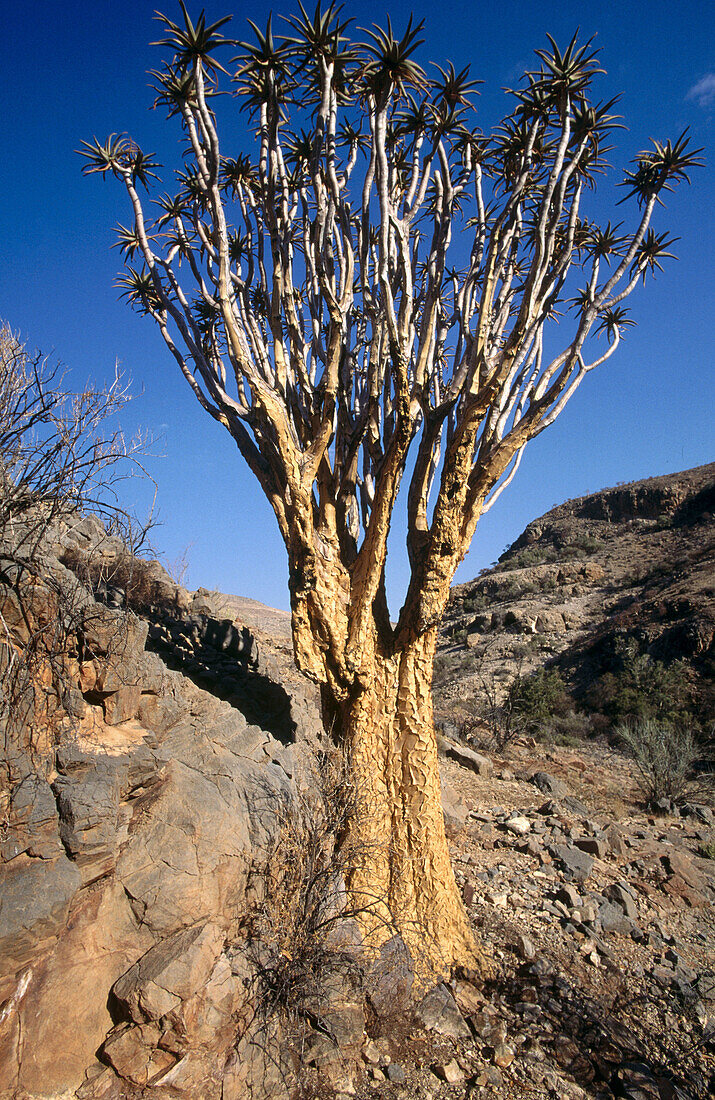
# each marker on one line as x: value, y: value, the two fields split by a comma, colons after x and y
x: 73, y: 70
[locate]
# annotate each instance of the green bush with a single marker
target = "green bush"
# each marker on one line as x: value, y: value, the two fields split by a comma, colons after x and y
x: 582, y: 545
x: 641, y: 689
x: 476, y: 602
x: 535, y: 701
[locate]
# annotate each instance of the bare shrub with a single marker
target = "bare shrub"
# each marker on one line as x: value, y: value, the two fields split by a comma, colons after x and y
x: 56, y: 454
x: 59, y: 457
x: 39, y: 617
x: 664, y: 756
x: 178, y: 568
x: 303, y: 929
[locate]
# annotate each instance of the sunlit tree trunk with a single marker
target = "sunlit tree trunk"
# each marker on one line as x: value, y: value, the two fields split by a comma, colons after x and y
x: 402, y: 876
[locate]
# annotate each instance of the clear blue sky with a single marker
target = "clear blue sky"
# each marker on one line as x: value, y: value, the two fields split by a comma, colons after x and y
x: 77, y: 69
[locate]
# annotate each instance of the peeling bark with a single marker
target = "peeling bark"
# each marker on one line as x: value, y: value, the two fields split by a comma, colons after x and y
x: 402, y: 879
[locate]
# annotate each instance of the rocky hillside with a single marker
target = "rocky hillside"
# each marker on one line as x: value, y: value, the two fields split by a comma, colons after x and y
x: 629, y: 570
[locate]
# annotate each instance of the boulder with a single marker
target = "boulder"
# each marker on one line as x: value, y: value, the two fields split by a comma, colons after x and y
x: 550, y: 622
x: 64, y: 1014
x: 169, y: 973
x: 259, y: 1068
x: 133, y: 1055
x: 438, y: 1012
x: 32, y: 821
x: 88, y: 804
x: 549, y: 784
x: 113, y: 633
x: 454, y: 808
x: 468, y: 758
x: 196, y: 831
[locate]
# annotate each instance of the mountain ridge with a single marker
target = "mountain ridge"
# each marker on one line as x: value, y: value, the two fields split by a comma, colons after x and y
x: 631, y: 565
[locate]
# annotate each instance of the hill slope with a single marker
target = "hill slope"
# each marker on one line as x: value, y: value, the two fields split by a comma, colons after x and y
x: 628, y: 569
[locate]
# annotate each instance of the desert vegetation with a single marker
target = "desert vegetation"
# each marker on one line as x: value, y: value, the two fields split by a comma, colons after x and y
x: 445, y: 858
x: 316, y: 324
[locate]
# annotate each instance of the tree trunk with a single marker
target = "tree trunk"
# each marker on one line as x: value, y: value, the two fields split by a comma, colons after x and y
x: 401, y: 877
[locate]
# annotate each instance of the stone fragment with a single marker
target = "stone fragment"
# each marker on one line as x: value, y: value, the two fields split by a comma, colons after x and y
x: 113, y: 633
x: 451, y: 1072
x: 490, y: 1075
x: 122, y: 705
x: 679, y: 890
x: 170, y: 972
x: 193, y: 833
x: 196, y: 1076
x: 623, y: 897
x: 520, y: 826
x: 576, y: 864
x: 549, y: 784
x: 569, y: 895
x: 531, y: 846
x: 615, y: 840
x: 468, y: 758
x: 613, y: 918
x: 388, y: 982
x: 131, y: 1052
x: 371, y: 1053
x: 593, y: 845
x: 574, y: 805
x: 469, y: 999
x: 526, y: 948
x: 395, y: 1073
x: 550, y: 622
x: 320, y: 1050
x: 212, y: 1015
x: 677, y: 863
x: 338, y: 1007
x: 504, y: 1055
x: 438, y: 1012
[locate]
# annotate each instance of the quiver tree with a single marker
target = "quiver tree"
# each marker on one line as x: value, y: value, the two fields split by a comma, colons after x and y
x: 364, y: 291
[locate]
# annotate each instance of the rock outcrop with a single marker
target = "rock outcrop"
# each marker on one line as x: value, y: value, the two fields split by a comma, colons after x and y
x: 136, y: 806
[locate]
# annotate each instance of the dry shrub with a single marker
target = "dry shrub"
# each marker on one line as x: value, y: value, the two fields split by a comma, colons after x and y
x: 664, y: 755
x: 60, y: 455
x: 126, y: 581
x: 303, y: 930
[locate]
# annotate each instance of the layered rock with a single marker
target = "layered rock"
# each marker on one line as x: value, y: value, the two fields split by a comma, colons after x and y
x: 136, y: 806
